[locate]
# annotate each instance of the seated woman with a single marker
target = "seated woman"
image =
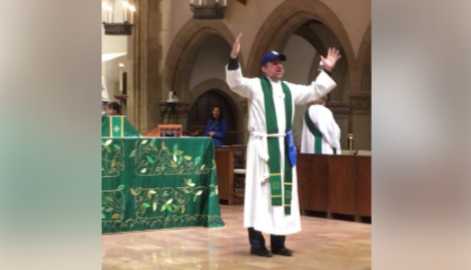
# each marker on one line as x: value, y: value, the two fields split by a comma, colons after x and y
x: 216, y: 127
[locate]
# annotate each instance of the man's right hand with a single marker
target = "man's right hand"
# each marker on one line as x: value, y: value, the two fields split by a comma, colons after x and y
x: 236, y: 47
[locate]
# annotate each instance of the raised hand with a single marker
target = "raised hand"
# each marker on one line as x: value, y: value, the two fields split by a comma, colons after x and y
x: 236, y: 47
x: 328, y: 62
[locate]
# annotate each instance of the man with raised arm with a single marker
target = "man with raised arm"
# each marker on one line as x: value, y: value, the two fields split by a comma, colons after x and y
x: 271, y: 198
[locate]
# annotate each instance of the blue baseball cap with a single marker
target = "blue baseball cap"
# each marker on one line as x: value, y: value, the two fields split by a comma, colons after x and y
x: 272, y: 56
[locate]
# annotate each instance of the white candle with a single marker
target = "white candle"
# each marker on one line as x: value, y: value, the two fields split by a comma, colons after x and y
x: 107, y: 9
x: 132, y: 10
x: 109, y: 13
x: 113, y: 11
x: 200, y: 2
x: 124, y: 8
x: 121, y: 82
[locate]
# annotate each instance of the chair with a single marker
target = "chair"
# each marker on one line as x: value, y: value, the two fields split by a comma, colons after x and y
x: 230, y: 162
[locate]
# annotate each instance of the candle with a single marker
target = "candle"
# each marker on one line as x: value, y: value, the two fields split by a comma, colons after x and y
x: 125, y: 9
x: 350, y: 141
x: 107, y: 12
x: 200, y: 2
x: 103, y: 12
x: 121, y: 82
x: 132, y: 9
x: 121, y: 86
x: 113, y: 11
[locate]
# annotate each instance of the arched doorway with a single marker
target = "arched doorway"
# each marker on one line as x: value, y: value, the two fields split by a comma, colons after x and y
x: 303, y: 30
x: 201, y: 109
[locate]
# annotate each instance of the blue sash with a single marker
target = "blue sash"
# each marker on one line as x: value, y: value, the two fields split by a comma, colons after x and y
x: 291, y: 148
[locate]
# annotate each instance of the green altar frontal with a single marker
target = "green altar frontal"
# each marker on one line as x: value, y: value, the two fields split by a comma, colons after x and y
x: 155, y: 183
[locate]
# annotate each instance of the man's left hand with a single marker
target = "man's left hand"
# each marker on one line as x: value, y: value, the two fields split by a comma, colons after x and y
x: 328, y: 62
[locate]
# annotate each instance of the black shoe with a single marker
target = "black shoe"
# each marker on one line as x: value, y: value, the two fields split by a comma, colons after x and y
x: 263, y: 252
x: 282, y: 252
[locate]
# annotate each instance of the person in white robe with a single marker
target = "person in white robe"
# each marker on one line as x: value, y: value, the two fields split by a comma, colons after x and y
x: 320, y: 133
x: 263, y: 213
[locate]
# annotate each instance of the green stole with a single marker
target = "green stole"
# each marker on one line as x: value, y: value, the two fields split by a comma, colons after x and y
x: 280, y: 195
x: 315, y: 131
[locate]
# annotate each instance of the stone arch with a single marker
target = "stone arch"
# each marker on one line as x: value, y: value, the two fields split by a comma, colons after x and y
x: 180, y: 58
x: 286, y: 19
x: 234, y: 101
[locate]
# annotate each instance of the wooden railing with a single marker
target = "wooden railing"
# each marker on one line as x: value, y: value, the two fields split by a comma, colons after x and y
x: 327, y: 184
x: 335, y: 184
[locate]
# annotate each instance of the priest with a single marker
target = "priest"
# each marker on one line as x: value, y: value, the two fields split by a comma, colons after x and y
x: 321, y: 134
x: 271, y: 203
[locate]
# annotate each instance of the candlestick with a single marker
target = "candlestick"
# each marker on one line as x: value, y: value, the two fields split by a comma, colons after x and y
x: 350, y: 141
x: 120, y: 73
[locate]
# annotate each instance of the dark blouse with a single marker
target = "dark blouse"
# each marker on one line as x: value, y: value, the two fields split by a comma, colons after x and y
x: 219, y: 129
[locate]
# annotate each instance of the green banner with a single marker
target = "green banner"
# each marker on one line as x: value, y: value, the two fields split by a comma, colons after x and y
x: 117, y: 126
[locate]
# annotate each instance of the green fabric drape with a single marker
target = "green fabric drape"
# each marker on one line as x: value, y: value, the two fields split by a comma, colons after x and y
x: 117, y: 126
x: 315, y: 132
x: 153, y: 183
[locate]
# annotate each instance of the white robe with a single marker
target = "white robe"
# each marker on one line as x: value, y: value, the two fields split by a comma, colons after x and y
x: 323, y: 118
x: 258, y: 211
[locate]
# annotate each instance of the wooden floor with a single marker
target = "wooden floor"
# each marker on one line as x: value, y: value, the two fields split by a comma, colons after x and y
x: 322, y: 244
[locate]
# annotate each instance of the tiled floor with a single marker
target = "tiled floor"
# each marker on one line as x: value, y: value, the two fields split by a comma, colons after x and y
x: 322, y: 244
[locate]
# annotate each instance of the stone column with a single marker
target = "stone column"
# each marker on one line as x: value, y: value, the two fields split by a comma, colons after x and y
x: 146, y: 58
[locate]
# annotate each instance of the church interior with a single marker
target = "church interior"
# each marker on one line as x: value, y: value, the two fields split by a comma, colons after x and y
x: 171, y: 198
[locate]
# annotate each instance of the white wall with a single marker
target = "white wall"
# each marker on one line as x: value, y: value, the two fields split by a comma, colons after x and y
x: 113, y: 44
x: 300, y: 55
x: 210, y: 61
x: 111, y: 71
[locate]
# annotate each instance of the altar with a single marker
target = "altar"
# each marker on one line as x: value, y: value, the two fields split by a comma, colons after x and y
x: 156, y: 183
